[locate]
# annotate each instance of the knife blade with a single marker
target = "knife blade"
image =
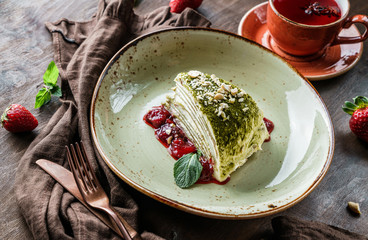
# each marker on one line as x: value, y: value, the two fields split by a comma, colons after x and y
x: 66, y: 179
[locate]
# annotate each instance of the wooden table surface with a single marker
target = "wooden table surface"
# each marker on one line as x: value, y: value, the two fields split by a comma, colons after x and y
x: 26, y: 50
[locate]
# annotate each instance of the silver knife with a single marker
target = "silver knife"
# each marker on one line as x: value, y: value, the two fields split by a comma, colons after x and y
x: 66, y: 179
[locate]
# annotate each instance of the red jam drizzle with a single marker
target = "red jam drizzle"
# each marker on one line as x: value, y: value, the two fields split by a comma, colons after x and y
x: 270, y: 126
x: 177, y: 143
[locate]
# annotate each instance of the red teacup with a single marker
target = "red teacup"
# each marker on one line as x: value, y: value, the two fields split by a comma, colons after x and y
x: 305, y: 39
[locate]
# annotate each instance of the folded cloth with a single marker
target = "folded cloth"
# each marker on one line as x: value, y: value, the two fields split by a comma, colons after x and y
x: 82, y: 49
x: 289, y: 228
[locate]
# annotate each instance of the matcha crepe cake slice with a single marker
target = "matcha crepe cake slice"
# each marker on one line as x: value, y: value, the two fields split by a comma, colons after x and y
x: 222, y: 120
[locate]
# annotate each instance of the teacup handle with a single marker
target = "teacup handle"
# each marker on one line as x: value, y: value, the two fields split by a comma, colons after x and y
x: 362, y: 19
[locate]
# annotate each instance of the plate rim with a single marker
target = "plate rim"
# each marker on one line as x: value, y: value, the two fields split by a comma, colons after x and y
x: 183, y: 206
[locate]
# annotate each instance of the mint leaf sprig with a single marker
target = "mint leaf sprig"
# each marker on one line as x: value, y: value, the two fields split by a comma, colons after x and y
x: 187, y: 169
x: 50, y: 87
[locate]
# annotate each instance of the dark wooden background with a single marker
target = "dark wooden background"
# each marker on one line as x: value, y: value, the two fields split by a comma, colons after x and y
x: 25, y: 51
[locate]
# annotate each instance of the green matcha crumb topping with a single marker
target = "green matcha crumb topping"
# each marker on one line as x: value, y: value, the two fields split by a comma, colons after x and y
x: 228, y: 108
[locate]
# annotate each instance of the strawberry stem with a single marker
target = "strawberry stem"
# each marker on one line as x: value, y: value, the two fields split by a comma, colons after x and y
x: 4, y: 116
x: 359, y: 103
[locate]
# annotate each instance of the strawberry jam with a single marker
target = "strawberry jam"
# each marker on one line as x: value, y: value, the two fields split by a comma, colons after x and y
x: 207, y: 170
x: 157, y: 116
x: 181, y: 146
x: 270, y: 126
x: 177, y: 143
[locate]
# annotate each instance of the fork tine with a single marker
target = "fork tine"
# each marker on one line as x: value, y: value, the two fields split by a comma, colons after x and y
x: 74, y: 166
x: 88, y: 165
x: 93, y: 194
x: 85, y: 166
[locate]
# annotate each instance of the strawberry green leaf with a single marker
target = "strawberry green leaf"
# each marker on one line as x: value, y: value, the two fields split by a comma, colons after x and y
x: 51, y: 75
x: 4, y: 116
x: 361, y: 101
x: 365, y: 100
x: 187, y: 170
x: 348, y: 110
x: 350, y: 105
x: 42, y: 97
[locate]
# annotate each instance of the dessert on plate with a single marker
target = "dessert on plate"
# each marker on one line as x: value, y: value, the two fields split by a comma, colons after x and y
x: 216, y: 117
x: 222, y: 120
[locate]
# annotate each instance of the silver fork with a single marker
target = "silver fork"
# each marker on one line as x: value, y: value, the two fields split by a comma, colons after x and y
x: 89, y: 186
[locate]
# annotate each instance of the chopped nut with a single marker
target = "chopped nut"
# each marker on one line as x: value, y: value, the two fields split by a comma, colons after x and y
x: 211, y: 94
x: 354, y: 207
x: 220, y: 90
x: 223, y: 115
x: 225, y: 87
x: 234, y: 91
x: 223, y: 106
x: 231, y: 100
x: 206, y: 83
x: 202, y: 78
x: 168, y: 131
x: 194, y: 74
x: 245, y: 109
x: 241, y: 100
x: 169, y: 139
x: 241, y: 94
x: 216, y: 80
x: 219, y: 96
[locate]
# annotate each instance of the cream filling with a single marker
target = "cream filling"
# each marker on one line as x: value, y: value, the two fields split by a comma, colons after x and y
x: 193, y: 122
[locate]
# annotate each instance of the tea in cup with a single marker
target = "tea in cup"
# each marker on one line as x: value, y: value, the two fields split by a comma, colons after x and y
x: 307, y: 27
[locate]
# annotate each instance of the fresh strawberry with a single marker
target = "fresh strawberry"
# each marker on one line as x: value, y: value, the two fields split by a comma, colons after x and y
x: 359, y: 120
x: 17, y: 118
x: 177, y: 6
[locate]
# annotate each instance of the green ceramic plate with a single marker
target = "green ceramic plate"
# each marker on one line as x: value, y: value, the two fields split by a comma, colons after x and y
x: 141, y: 74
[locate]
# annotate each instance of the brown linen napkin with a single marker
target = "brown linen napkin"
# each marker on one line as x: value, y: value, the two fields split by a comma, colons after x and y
x: 289, y: 228
x: 82, y: 50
